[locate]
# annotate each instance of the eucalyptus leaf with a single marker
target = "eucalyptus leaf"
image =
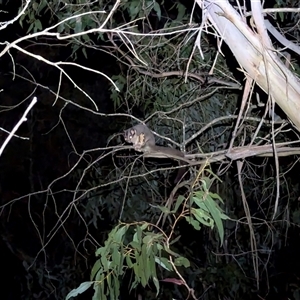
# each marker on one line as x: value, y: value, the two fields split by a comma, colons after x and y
x: 163, y: 262
x: 179, y: 201
x: 156, y: 283
x: 193, y: 222
x: 147, y: 239
x: 104, y: 262
x: 216, y: 216
x: 37, y: 25
x: 142, y: 273
x: 116, y: 257
x: 181, y: 11
x: 136, y: 245
x: 182, y: 261
x: 164, y: 209
x: 119, y: 234
x: 167, y: 249
x: 99, y: 287
x: 203, y: 217
x: 200, y: 195
x: 175, y: 240
x: 82, y: 288
x: 200, y: 203
x: 109, y: 291
x: 99, y: 292
x: 137, y: 237
x: 144, y: 226
x: 137, y: 272
x: 145, y: 260
x: 157, y: 9
x: 95, y: 269
x: 216, y: 196
x: 129, y: 261
x: 116, y: 284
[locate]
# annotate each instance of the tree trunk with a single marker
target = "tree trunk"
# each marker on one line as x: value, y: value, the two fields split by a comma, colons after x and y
x: 255, y: 53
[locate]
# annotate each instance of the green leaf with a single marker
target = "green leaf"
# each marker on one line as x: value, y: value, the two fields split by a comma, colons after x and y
x: 121, y: 263
x: 203, y: 217
x: 164, y: 263
x: 37, y: 25
x: 129, y: 261
x: 156, y: 283
x: 78, y: 26
x: 104, y: 262
x: 134, y: 284
x: 200, y: 203
x: 142, y: 270
x: 83, y: 49
x: 205, y: 183
x: 193, y: 222
x: 167, y: 249
x: 119, y: 234
x: 200, y: 195
x: 95, y: 269
x: 152, y: 267
x: 99, y: 277
x: 216, y: 216
x: 134, y: 9
x: 157, y: 9
x: 99, y: 287
x: 154, y: 249
x: 182, y: 261
x: 147, y: 239
x: 181, y: 12
x: 175, y: 240
x: 136, y: 245
x: 61, y: 28
x: 30, y: 27
x: 179, y: 201
x: 215, y: 196
x: 137, y: 237
x: 116, y: 257
x: 41, y: 6
x: 21, y: 19
x: 110, y: 291
x: 117, y: 287
x: 224, y: 217
x: 164, y: 209
x: 281, y: 15
x: 159, y: 247
x: 136, y: 270
x: 144, y: 226
x: 82, y: 288
x: 110, y: 238
x: 145, y: 260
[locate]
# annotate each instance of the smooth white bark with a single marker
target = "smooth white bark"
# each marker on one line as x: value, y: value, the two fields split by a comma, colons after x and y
x: 255, y: 54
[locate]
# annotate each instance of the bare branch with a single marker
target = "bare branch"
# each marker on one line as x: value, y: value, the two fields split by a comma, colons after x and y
x: 23, y: 119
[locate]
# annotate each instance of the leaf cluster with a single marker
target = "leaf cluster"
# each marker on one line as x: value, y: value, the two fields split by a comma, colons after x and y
x: 129, y: 248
